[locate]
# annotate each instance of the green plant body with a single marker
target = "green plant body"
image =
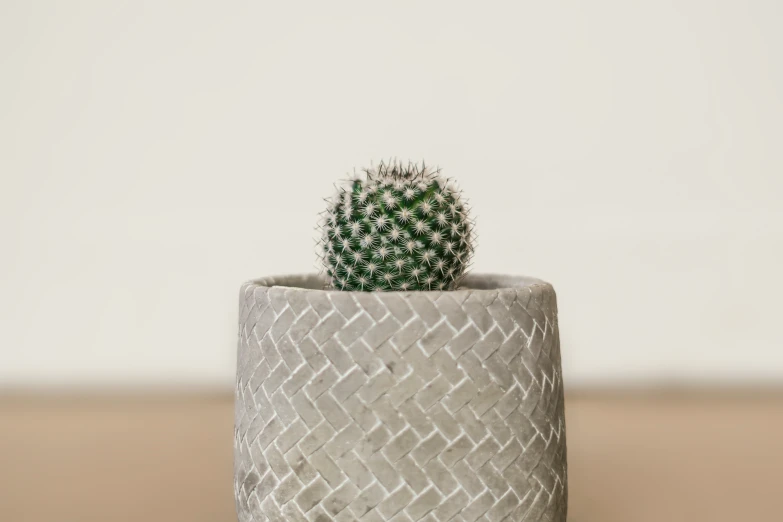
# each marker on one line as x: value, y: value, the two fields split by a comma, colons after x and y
x: 396, y: 228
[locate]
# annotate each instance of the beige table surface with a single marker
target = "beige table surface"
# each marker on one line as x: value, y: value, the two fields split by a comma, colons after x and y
x: 632, y: 458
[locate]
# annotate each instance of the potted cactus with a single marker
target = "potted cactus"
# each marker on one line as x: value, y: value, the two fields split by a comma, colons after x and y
x: 394, y: 386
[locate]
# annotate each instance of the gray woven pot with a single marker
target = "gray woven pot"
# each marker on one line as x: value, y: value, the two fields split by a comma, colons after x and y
x: 431, y: 406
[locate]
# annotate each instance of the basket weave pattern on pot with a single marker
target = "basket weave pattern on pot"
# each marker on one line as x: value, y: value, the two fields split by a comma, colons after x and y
x: 430, y: 406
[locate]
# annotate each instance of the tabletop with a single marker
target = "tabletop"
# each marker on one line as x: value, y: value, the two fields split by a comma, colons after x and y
x: 633, y: 457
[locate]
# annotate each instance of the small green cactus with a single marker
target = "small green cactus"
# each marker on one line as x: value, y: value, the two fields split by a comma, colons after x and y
x: 397, y: 228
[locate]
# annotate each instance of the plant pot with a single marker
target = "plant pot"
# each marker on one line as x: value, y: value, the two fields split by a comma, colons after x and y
x: 399, y: 406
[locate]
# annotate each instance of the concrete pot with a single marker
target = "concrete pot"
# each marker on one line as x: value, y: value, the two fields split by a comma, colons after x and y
x: 401, y: 406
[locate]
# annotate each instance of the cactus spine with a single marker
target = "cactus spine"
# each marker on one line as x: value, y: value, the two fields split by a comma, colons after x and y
x: 397, y: 228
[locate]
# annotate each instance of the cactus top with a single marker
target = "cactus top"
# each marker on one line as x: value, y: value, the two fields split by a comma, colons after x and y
x: 398, y: 228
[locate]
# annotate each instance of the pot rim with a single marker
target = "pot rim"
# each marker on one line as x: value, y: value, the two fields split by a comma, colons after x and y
x: 474, y: 282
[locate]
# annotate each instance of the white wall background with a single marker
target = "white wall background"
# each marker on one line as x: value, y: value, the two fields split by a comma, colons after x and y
x: 154, y: 155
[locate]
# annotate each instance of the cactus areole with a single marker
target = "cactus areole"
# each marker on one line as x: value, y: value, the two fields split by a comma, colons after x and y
x: 397, y: 227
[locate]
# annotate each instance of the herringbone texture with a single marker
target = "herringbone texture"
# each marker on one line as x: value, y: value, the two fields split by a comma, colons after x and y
x: 432, y: 406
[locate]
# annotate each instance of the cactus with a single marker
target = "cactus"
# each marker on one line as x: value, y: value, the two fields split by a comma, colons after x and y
x: 397, y: 228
